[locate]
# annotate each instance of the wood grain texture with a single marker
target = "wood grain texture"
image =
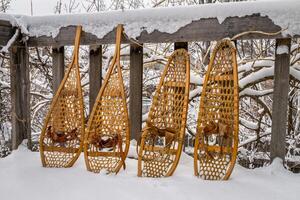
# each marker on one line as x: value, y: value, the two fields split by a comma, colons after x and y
x: 6, y: 32
x: 58, y: 68
x: 181, y: 45
x: 136, y: 84
x: 198, y: 30
x: 95, y: 73
x: 20, y: 96
x: 280, y: 101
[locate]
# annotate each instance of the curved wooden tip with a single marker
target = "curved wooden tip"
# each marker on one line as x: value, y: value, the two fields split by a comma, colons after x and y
x: 119, y: 33
x: 78, y: 29
x: 77, y: 40
x: 120, y: 27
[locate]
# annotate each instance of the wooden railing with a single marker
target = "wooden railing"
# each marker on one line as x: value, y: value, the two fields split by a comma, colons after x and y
x: 199, y: 30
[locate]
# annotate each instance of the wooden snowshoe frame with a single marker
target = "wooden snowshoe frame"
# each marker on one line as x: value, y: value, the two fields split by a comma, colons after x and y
x: 107, y: 139
x: 63, y: 130
x: 216, y: 141
x: 162, y: 138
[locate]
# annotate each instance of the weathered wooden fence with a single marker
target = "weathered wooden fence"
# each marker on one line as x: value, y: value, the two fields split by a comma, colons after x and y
x: 199, y: 30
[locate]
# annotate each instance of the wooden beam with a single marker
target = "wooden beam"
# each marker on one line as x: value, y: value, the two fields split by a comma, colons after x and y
x: 20, y: 96
x: 95, y: 73
x: 280, y: 98
x: 58, y: 69
x: 6, y: 32
x: 136, y: 84
x: 181, y: 45
x: 66, y: 37
x: 198, y: 30
x: 4, y: 23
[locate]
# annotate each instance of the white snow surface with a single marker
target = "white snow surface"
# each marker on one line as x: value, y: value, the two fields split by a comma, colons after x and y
x: 253, y: 92
x: 196, y: 79
x: 282, y: 49
x: 169, y: 20
x: 260, y: 74
x: 23, y: 177
x: 248, y: 124
x: 266, y: 62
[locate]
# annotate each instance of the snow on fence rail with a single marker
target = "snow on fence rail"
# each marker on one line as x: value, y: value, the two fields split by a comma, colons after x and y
x: 188, y: 23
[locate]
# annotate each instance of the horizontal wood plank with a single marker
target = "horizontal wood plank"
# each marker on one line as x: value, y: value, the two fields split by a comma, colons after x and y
x: 198, y: 30
x: 6, y: 32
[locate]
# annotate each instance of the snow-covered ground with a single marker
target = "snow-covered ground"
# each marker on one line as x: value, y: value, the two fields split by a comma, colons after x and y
x: 22, y: 177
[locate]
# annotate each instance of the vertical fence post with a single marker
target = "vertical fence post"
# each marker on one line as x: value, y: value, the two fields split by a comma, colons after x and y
x: 95, y: 73
x: 136, y: 84
x: 181, y: 45
x: 280, y: 98
x: 58, y: 69
x: 20, y: 95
